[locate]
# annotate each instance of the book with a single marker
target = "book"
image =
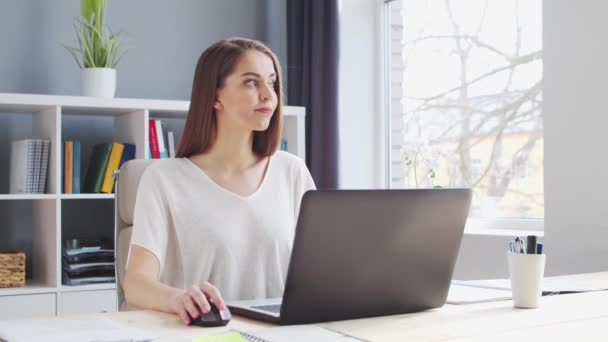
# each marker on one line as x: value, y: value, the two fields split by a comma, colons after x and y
x: 113, y: 163
x: 97, y: 168
x: 165, y: 137
x: 44, y: 166
x: 31, y: 165
x: 37, y: 163
x: 127, y: 154
x: 68, y: 162
x: 171, y: 141
x: 76, y: 155
x: 160, y: 136
x: 22, y: 166
x: 154, y: 152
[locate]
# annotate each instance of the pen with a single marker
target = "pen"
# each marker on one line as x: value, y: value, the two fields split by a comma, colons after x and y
x: 512, y: 247
x: 539, y: 248
x: 531, y: 244
x: 521, y: 246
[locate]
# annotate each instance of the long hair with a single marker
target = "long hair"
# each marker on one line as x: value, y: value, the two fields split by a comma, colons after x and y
x: 214, y: 65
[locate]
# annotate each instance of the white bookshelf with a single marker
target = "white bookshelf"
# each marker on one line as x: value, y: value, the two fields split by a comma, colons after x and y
x: 51, y: 215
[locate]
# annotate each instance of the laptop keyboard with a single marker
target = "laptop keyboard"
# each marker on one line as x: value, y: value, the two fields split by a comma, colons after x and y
x: 275, y: 308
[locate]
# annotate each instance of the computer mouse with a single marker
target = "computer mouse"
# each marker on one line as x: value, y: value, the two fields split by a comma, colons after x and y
x: 213, y: 318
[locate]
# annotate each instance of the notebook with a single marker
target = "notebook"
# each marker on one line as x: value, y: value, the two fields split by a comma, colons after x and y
x: 70, y: 330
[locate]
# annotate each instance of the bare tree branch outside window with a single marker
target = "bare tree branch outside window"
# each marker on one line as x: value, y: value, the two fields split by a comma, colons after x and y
x: 466, y: 100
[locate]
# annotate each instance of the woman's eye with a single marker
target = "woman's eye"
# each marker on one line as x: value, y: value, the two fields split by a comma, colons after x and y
x: 251, y: 83
x: 272, y: 84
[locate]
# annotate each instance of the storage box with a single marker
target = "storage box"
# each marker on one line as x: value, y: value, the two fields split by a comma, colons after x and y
x: 12, y: 269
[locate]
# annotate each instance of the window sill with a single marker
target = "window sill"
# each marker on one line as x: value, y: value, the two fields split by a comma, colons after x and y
x: 504, y: 232
x: 504, y: 227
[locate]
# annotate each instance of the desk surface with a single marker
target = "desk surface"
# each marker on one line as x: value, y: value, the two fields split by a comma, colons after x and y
x: 579, y: 317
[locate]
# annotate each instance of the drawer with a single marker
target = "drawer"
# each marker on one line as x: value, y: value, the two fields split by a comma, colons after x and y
x: 27, y: 306
x: 80, y: 302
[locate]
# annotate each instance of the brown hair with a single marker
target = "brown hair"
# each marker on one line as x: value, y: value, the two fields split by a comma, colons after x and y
x: 214, y: 65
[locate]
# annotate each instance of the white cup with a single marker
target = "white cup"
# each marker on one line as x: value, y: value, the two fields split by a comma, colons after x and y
x: 527, y: 272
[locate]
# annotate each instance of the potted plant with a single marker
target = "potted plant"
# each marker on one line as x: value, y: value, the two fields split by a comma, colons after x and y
x: 98, y: 52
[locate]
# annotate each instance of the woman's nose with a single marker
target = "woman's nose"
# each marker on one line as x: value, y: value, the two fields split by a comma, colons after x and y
x: 265, y: 92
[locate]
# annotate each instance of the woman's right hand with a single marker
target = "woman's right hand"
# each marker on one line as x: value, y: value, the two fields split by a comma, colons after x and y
x: 183, y: 302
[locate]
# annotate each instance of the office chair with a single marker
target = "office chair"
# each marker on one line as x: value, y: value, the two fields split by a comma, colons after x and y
x: 127, y: 181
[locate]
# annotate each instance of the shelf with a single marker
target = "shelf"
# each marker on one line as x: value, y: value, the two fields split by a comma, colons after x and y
x: 40, y: 224
x: 105, y: 106
x: 86, y: 196
x: 91, y: 287
x: 87, y: 105
x: 294, y: 111
x: 40, y: 288
x: 28, y: 289
x: 16, y: 197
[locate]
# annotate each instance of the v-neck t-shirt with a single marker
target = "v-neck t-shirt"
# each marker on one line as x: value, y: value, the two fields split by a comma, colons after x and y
x: 200, y: 231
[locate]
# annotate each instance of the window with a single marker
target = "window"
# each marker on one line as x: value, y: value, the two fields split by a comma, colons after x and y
x: 464, y: 102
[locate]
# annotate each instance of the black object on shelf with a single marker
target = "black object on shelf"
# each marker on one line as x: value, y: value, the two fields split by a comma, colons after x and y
x: 87, y: 262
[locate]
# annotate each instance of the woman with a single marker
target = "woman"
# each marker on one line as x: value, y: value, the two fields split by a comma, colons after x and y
x: 218, y: 221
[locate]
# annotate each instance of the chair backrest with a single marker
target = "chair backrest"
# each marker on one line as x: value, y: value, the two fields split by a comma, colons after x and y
x: 126, y: 193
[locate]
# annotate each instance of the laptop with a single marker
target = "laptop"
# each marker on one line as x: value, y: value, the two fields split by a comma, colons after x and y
x: 365, y: 253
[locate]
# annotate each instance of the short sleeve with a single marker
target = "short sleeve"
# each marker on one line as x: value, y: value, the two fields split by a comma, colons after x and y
x: 151, y: 216
x: 303, y: 183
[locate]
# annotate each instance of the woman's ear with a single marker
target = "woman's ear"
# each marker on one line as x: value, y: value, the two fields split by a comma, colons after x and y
x: 218, y: 105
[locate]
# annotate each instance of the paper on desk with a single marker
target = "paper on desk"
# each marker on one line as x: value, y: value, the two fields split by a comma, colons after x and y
x: 68, y: 330
x: 301, y: 333
x: 463, y: 294
x: 231, y: 336
x: 550, y: 285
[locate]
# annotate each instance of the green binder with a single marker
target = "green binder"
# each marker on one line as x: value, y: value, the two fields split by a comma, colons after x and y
x: 97, y: 168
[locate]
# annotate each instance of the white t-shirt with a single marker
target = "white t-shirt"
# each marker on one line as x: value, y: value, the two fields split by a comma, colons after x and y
x: 200, y: 231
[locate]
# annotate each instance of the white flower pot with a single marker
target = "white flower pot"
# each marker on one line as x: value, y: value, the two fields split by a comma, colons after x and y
x: 98, y: 82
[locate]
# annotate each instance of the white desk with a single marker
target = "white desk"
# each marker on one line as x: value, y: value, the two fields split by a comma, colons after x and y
x: 572, y: 317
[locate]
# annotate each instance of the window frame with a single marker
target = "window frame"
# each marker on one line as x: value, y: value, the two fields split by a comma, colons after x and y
x: 474, y: 225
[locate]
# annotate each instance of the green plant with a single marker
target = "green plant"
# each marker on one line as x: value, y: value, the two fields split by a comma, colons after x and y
x: 98, y: 47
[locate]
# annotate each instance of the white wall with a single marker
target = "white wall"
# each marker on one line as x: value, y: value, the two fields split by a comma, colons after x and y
x: 576, y: 162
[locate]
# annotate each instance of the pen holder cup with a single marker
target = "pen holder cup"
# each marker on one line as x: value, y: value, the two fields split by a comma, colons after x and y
x: 527, y: 272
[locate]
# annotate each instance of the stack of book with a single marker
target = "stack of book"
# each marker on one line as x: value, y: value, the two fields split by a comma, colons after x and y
x: 105, y: 159
x: 29, y: 165
x: 87, y: 263
x: 162, y: 142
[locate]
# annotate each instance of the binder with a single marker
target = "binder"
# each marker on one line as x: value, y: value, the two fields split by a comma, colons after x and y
x: 113, y: 163
x: 160, y: 136
x: 76, y: 167
x: 44, y: 166
x: 97, y: 168
x: 68, y: 161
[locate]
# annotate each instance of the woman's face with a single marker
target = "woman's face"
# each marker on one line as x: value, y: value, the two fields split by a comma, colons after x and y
x: 248, y: 98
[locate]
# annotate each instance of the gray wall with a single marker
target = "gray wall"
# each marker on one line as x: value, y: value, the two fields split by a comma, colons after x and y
x: 166, y: 39
x: 576, y: 161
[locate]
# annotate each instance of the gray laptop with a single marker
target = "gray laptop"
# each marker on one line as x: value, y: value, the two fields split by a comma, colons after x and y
x: 364, y: 253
